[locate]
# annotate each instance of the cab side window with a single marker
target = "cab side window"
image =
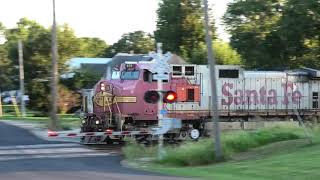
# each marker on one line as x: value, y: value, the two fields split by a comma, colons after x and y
x: 147, y: 76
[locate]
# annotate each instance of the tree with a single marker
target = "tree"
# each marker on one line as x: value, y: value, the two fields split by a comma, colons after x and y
x: 37, y: 57
x: 68, y: 46
x: 82, y: 79
x: 68, y: 99
x: 169, y: 28
x: 275, y: 33
x: 251, y: 25
x: 180, y: 28
x: 5, y: 67
x: 224, y: 54
x: 137, y: 42
x: 92, y: 47
x: 299, y: 32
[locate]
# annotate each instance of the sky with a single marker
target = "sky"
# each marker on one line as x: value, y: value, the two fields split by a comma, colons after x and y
x: 105, y: 19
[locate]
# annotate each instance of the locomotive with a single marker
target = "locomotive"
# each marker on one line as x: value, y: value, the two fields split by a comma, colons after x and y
x: 128, y: 100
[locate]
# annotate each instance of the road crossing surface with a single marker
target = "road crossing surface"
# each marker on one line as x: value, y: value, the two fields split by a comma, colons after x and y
x: 25, y: 156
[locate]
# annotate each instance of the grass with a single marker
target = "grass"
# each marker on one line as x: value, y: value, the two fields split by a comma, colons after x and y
x: 253, y: 156
x: 133, y: 150
x: 299, y: 164
x: 202, y: 152
x: 67, y: 121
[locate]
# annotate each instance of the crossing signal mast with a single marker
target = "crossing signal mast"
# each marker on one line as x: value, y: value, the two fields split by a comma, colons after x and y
x: 161, y: 71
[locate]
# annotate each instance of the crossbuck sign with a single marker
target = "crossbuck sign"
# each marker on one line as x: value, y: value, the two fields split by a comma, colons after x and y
x: 161, y: 68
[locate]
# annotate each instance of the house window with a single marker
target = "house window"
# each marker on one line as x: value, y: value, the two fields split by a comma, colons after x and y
x: 315, y: 100
x: 228, y: 73
x: 177, y: 70
x: 189, y: 70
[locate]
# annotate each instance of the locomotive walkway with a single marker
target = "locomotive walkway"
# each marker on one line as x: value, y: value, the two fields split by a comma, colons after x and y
x: 25, y: 156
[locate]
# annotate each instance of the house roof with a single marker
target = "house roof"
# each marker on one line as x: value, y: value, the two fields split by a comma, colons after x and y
x: 123, y: 57
x: 75, y: 63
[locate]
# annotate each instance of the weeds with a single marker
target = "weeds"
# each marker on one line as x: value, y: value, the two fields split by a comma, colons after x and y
x: 202, y: 152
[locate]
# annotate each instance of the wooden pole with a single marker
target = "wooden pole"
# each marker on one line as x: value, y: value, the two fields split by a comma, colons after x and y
x: 54, y: 125
x: 214, y: 98
x: 1, y: 112
x: 21, y: 76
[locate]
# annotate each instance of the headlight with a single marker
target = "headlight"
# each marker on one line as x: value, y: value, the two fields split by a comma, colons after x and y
x: 102, y: 87
x: 97, y: 122
x: 83, y: 121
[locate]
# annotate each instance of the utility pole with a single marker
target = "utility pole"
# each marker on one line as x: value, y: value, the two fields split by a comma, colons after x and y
x: 1, y: 113
x: 214, y: 98
x: 54, y: 125
x: 21, y: 75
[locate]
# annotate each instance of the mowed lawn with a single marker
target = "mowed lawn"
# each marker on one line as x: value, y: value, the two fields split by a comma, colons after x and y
x: 67, y: 121
x: 302, y: 163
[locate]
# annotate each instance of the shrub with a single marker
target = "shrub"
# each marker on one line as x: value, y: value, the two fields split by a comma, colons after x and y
x: 202, y: 152
x: 133, y: 150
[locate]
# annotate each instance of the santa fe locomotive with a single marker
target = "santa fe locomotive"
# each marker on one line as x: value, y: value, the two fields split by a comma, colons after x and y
x: 128, y: 100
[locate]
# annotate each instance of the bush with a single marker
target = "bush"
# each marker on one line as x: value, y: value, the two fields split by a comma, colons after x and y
x: 190, y: 153
x: 202, y: 152
x: 133, y: 150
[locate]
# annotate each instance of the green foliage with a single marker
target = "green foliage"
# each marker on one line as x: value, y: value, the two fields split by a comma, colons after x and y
x: 180, y: 29
x: 6, y: 81
x: 92, y: 47
x: 37, y: 58
x: 133, y: 150
x: 202, y: 152
x: 82, y: 79
x: 137, y: 42
x: 288, y: 162
x: 224, y: 54
x: 190, y: 154
x: 69, y: 46
x: 275, y: 33
x: 39, y: 94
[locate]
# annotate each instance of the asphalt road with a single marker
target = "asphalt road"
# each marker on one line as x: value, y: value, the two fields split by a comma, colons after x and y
x: 24, y: 156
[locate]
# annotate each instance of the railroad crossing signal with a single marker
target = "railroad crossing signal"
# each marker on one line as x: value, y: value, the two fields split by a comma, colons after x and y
x: 161, y: 68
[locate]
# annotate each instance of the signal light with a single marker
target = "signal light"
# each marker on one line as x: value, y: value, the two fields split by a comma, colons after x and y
x: 151, y: 97
x: 170, y: 97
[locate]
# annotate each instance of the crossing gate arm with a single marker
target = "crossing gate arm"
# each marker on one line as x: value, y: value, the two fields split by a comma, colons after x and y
x: 167, y: 124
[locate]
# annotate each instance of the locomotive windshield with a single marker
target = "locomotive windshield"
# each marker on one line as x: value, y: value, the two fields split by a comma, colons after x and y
x: 130, y: 75
x: 115, y: 75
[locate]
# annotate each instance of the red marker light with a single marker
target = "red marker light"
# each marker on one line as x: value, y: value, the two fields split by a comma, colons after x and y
x: 170, y: 97
x: 52, y: 133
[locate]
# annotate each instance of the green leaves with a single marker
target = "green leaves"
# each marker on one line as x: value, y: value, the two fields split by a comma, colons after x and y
x: 137, y: 42
x: 180, y: 28
x: 37, y: 58
x: 275, y: 33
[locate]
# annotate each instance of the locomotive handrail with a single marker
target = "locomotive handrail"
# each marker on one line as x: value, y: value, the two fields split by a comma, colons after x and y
x: 110, y: 110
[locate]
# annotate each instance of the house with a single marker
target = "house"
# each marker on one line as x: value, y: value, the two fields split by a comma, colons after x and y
x: 103, y: 66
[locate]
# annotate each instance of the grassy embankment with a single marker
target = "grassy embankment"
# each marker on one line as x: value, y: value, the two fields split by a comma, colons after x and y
x: 67, y: 121
x: 276, y: 153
